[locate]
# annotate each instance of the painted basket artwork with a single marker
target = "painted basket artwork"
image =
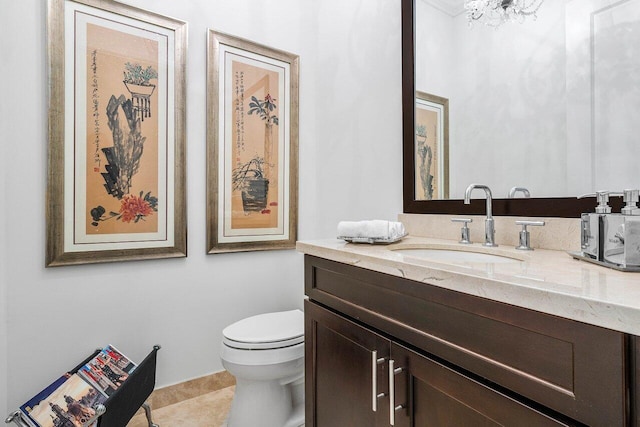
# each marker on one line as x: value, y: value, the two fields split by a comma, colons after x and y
x: 252, y: 146
x: 116, y: 188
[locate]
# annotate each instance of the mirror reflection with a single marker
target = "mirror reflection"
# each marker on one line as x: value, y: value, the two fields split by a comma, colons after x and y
x: 547, y: 104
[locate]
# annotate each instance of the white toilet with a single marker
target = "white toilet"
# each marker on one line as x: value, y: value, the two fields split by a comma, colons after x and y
x: 266, y: 355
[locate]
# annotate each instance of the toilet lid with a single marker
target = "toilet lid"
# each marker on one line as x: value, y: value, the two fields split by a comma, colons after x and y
x: 266, y: 331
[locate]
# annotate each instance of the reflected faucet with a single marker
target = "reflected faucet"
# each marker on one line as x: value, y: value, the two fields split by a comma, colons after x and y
x: 524, y: 191
x: 489, y: 228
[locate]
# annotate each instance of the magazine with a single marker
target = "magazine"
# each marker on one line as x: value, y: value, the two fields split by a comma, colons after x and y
x: 107, y: 370
x: 72, y: 399
x: 67, y: 402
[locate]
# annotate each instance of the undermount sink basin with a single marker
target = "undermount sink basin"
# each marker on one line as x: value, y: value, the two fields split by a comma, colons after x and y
x: 457, y: 256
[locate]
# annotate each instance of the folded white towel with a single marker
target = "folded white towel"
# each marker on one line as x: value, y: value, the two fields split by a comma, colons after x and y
x: 375, y: 229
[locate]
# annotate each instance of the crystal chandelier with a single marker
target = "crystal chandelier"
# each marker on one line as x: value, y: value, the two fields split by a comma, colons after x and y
x: 497, y: 12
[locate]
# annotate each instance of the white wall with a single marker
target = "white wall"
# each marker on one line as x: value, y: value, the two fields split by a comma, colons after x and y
x: 435, y: 50
x: 350, y: 167
x: 4, y: 130
x: 355, y: 101
x: 509, y: 113
x: 507, y: 97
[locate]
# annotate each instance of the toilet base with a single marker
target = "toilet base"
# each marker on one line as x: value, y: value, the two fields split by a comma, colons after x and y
x: 297, y: 417
x: 266, y: 403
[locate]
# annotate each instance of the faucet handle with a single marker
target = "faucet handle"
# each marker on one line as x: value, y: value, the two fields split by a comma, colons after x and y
x: 526, y: 193
x: 525, y: 239
x: 464, y: 231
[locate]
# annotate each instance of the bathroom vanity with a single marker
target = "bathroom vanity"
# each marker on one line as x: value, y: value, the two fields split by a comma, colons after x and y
x: 398, y: 339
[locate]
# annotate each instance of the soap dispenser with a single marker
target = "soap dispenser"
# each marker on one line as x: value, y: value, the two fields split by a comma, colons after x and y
x: 591, y: 238
x: 621, y: 243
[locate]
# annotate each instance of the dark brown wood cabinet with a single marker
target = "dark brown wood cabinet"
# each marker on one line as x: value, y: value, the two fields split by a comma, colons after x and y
x: 344, y: 386
x: 427, y: 393
x: 461, y: 360
x: 344, y: 383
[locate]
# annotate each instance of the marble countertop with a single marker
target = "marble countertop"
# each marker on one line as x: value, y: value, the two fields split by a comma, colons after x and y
x: 548, y: 281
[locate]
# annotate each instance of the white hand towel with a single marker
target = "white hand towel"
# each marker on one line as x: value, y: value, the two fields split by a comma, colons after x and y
x: 374, y: 229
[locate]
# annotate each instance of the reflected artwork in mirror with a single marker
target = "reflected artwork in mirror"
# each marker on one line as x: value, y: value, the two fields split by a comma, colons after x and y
x: 544, y: 104
x: 431, y: 147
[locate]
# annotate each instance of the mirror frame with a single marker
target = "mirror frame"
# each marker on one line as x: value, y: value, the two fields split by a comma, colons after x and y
x: 563, y: 207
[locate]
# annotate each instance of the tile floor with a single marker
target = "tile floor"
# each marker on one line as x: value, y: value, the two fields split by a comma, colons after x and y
x: 207, y: 410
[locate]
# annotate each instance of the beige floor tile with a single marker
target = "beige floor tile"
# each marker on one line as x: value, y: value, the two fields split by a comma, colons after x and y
x: 207, y: 410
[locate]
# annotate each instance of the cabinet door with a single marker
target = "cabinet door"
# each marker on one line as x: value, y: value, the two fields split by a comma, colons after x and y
x: 345, y: 371
x: 634, y: 367
x: 429, y: 394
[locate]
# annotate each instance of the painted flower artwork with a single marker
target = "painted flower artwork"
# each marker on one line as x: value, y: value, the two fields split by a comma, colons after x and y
x: 135, y: 74
x: 123, y: 151
x: 254, y: 177
x: 264, y: 109
x: 252, y: 167
x: 116, y: 181
x: 132, y: 208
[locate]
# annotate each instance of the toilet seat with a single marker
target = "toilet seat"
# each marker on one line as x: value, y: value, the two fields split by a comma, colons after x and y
x: 266, y: 331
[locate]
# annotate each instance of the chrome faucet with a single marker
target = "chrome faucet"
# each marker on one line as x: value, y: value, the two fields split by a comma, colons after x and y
x: 524, y: 191
x: 489, y: 227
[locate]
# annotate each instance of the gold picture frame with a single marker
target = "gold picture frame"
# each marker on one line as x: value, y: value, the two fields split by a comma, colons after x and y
x: 116, y: 166
x: 431, y: 147
x: 252, y: 146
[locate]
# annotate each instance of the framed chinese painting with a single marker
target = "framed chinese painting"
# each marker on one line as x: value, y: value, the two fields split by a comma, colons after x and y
x: 116, y: 171
x: 252, y: 146
x: 431, y: 147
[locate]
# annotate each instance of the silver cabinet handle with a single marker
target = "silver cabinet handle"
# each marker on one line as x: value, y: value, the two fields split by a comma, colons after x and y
x: 374, y: 380
x: 393, y: 371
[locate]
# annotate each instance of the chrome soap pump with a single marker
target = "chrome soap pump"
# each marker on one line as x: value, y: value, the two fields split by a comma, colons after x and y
x: 591, y: 237
x: 621, y: 233
x: 612, y: 239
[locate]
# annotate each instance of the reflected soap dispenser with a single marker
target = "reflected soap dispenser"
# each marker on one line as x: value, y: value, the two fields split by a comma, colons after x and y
x: 591, y: 237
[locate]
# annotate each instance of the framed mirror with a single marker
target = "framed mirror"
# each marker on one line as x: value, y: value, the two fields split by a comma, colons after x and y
x: 544, y: 103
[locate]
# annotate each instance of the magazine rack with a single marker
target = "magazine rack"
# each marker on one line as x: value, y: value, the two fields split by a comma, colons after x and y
x: 122, y: 405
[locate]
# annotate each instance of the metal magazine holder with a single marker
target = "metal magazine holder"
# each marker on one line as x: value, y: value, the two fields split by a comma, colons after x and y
x: 122, y: 405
